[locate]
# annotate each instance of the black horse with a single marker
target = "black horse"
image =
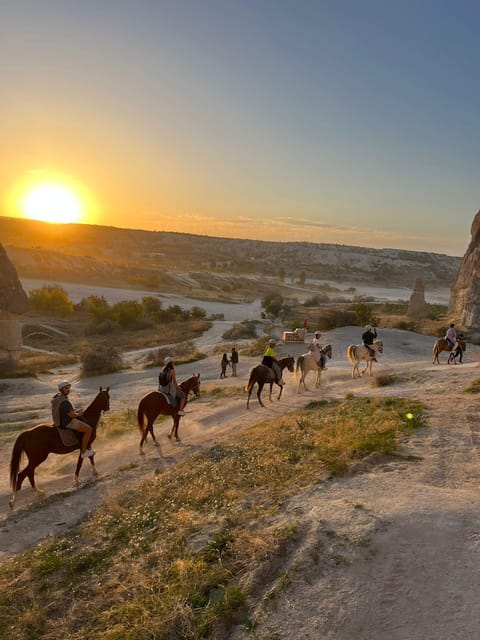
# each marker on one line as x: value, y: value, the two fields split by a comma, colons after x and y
x: 262, y: 375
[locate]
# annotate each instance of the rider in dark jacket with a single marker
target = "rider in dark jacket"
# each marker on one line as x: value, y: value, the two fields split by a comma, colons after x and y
x: 368, y: 337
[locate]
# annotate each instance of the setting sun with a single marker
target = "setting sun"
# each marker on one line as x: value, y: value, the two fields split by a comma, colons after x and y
x: 52, y: 203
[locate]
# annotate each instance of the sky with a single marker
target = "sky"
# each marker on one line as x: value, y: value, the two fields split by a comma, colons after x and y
x: 344, y: 121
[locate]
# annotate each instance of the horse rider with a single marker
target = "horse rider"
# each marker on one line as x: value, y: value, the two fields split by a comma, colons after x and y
x: 316, y: 349
x: 451, y: 337
x: 270, y: 360
x: 66, y: 417
x: 368, y: 337
x: 167, y: 383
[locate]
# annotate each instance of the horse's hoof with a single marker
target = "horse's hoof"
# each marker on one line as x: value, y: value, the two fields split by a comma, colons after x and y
x: 11, y: 503
x: 177, y: 439
x: 39, y: 492
x: 156, y: 443
x: 141, y: 452
x: 94, y: 472
x: 169, y: 436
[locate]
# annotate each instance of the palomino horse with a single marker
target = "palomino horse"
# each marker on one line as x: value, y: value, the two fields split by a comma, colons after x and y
x: 308, y: 363
x: 442, y: 345
x: 155, y: 403
x: 262, y: 375
x: 38, y: 442
x: 358, y: 352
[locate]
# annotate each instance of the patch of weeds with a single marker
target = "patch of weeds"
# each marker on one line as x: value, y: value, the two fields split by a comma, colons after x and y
x: 318, y: 404
x: 473, y: 387
x: 383, y: 379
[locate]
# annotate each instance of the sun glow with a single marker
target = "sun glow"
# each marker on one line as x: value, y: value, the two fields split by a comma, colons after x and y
x: 52, y: 203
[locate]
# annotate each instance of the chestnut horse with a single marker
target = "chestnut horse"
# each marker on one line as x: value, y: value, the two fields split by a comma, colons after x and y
x: 306, y: 363
x: 261, y: 374
x: 154, y: 404
x: 38, y: 442
x: 358, y: 352
x: 442, y: 345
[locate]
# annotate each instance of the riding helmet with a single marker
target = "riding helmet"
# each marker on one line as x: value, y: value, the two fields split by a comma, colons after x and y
x: 168, y: 360
x: 272, y: 341
x: 63, y: 384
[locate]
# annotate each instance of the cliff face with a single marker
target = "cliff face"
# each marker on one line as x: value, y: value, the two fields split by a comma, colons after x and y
x: 13, y: 298
x: 13, y: 302
x: 465, y: 292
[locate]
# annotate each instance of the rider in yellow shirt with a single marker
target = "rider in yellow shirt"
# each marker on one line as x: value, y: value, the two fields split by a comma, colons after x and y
x: 270, y: 360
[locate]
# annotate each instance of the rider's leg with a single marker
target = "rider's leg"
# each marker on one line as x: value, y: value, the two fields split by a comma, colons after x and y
x: 182, y: 401
x: 323, y: 359
x: 86, y: 431
x: 278, y: 373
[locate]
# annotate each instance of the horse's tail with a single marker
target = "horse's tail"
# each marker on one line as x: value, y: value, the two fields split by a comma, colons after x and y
x: 251, y: 381
x: 436, y: 351
x: 140, y: 415
x: 18, y: 449
x: 298, y: 366
x: 351, y: 353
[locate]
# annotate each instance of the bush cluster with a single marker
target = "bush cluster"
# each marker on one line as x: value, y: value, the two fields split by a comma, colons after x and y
x: 101, y: 360
x: 132, y: 314
x: 51, y: 300
x: 246, y: 329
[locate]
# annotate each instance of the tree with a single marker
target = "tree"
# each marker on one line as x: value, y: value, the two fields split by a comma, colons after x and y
x: 273, y: 303
x: 97, y: 307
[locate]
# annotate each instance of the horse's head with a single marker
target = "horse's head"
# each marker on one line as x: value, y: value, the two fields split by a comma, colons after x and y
x: 379, y: 345
x: 327, y: 350
x: 288, y: 362
x: 103, y: 397
x: 192, y: 385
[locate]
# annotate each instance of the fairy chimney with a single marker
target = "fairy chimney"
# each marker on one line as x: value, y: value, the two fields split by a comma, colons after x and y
x: 13, y: 302
x: 417, y: 307
x: 464, y: 305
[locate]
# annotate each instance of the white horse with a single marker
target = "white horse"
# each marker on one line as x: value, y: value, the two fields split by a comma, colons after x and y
x: 358, y: 352
x: 308, y: 363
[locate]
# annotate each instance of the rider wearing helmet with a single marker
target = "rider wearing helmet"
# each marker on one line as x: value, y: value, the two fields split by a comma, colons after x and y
x: 270, y: 360
x: 167, y: 383
x: 316, y: 350
x: 451, y: 337
x: 368, y: 338
x: 65, y: 417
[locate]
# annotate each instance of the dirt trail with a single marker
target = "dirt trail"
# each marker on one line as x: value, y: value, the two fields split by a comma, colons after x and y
x: 390, y: 551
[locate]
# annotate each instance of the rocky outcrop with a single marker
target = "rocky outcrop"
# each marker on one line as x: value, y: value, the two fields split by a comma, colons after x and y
x: 464, y: 307
x: 13, y: 302
x: 417, y: 307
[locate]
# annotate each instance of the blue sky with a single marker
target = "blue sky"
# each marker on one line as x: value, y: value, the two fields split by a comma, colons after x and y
x: 348, y: 122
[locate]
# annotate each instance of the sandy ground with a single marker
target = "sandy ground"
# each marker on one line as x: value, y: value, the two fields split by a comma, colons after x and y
x: 392, y: 550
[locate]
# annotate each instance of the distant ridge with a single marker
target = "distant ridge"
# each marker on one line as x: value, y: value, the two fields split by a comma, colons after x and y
x: 76, y: 251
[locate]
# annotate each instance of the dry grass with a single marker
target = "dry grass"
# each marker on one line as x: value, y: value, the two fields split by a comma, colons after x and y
x: 173, y: 559
x: 473, y: 387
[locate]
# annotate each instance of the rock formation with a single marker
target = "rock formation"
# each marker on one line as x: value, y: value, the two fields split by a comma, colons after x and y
x: 417, y: 307
x: 464, y: 307
x: 13, y: 302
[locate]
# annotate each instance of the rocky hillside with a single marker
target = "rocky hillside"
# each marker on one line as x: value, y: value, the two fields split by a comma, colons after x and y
x: 109, y: 255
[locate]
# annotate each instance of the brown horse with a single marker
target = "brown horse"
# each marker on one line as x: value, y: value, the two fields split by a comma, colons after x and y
x: 38, y: 442
x: 306, y: 363
x: 155, y: 403
x: 442, y: 345
x: 261, y: 374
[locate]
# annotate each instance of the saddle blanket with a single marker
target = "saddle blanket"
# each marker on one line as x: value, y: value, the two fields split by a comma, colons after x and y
x: 170, y: 399
x: 69, y: 437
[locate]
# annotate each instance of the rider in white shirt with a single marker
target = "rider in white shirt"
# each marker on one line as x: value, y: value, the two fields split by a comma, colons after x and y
x: 316, y: 350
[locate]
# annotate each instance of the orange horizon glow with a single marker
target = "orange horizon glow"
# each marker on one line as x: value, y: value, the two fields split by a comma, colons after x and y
x: 52, y: 198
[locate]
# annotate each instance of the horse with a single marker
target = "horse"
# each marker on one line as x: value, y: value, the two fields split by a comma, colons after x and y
x: 358, y: 352
x: 155, y: 403
x: 39, y: 441
x: 261, y: 374
x: 442, y: 345
x: 306, y: 363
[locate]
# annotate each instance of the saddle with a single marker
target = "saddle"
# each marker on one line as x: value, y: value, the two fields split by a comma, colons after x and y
x: 69, y: 437
x: 170, y: 399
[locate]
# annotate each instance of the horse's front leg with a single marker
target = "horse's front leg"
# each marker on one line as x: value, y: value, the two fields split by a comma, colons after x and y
x: 319, y: 377
x: 176, y: 425
x: 280, y: 392
x: 366, y: 367
x: 94, y: 468
x: 271, y: 391
x: 76, y: 479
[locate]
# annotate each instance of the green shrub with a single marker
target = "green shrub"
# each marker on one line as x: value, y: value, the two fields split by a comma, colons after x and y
x: 333, y: 318
x: 51, y: 300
